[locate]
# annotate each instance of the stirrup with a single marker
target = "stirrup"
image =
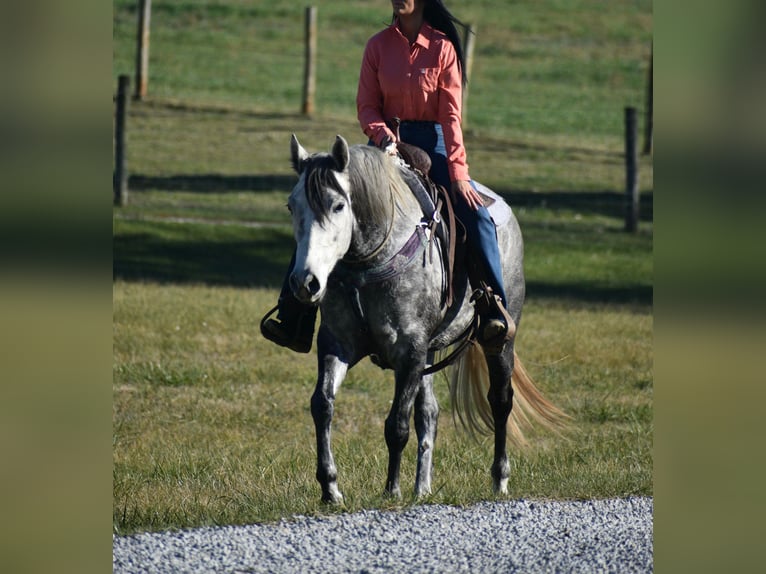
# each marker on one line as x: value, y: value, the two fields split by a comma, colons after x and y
x: 496, y: 326
x: 276, y: 332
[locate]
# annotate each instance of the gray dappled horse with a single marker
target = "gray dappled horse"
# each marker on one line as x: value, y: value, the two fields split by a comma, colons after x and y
x: 361, y: 256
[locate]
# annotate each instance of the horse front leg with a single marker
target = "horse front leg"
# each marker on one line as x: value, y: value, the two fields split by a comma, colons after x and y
x: 426, y: 421
x: 397, y: 428
x: 332, y: 370
x: 500, y: 397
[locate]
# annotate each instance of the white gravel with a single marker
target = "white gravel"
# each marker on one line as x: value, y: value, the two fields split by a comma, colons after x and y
x: 515, y: 536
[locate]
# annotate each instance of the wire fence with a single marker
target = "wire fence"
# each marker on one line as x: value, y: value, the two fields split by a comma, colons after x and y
x: 271, y: 62
x: 297, y: 67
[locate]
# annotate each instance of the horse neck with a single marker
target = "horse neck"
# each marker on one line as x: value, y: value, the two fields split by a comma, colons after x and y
x: 378, y: 242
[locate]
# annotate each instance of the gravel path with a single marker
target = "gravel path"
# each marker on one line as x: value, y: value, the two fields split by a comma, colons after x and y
x: 515, y: 536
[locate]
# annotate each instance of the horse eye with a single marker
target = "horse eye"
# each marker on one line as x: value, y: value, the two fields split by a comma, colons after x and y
x: 338, y: 207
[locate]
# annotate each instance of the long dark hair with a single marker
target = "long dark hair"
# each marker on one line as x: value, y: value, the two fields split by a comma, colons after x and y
x: 440, y: 18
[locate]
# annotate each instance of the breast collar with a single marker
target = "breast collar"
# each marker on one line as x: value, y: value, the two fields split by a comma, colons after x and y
x: 357, y: 276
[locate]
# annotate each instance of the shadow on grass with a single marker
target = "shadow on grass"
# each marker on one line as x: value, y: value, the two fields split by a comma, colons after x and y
x: 247, y: 257
x: 263, y: 263
x: 608, y: 203
x: 584, y: 293
x: 148, y: 257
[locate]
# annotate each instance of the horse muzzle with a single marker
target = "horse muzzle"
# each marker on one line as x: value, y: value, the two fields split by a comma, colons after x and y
x: 306, y: 287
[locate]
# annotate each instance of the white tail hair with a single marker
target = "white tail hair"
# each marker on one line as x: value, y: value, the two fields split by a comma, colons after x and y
x: 469, y: 385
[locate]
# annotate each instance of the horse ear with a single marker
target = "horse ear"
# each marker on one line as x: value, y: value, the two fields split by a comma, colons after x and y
x: 340, y: 153
x: 297, y: 154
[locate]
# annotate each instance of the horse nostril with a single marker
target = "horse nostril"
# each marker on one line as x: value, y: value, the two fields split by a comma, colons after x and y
x: 313, y: 285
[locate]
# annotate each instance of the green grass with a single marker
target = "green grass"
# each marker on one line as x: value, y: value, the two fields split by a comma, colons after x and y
x: 211, y: 424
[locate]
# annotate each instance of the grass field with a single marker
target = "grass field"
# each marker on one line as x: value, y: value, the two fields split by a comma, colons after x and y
x: 211, y: 423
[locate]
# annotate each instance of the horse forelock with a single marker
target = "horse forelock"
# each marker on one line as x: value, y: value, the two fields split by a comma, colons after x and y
x: 320, y: 173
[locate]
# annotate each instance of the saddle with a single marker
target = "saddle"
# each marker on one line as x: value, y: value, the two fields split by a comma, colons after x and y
x: 435, y: 202
x: 440, y: 219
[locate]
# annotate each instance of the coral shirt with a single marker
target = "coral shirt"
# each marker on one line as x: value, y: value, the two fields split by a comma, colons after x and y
x: 421, y: 82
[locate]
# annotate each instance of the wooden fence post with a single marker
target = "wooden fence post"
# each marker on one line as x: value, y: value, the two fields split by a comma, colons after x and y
x: 120, y: 177
x: 309, y: 76
x: 468, y: 43
x: 631, y: 170
x: 142, y: 48
x: 649, y: 120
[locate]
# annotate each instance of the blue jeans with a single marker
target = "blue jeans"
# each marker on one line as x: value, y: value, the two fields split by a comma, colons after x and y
x: 480, y: 229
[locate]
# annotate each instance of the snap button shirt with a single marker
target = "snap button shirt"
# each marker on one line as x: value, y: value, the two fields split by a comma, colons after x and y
x: 418, y: 82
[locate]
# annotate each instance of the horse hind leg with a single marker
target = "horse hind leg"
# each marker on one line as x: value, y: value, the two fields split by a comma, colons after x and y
x: 426, y: 420
x: 397, y: 429
x: 500, y: 397
x: 331, y: 374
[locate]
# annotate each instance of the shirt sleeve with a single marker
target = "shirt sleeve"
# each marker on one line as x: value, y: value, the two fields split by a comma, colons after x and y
x: 450, y: 113
x: 369, y: 97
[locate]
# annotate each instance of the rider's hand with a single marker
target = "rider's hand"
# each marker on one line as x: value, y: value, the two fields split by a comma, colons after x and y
x: 388, y: 145
x: 464, y: 189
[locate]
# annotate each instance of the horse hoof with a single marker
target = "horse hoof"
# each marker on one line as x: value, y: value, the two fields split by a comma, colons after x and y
x: 333, y: 500
x: 422, y: 492
x: 332, y: 496
x: 394, y: 493
x: 501, y: 487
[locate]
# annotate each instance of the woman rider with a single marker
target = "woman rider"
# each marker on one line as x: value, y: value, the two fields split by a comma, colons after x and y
x: 414, y: 70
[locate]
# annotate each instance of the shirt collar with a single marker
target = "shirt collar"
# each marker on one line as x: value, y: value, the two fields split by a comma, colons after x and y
x: 424, y: 36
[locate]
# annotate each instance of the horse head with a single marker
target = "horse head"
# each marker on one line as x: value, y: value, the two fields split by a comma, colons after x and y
x: 320, y: 206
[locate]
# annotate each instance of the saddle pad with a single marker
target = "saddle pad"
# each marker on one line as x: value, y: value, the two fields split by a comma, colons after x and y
x: 499, y: 210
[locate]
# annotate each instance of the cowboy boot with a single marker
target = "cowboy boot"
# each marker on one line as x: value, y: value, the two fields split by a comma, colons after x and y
x: 495, y: 324
x: 294, y: 326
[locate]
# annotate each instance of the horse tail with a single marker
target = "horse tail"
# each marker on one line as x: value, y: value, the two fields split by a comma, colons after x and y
x: 469, y: 386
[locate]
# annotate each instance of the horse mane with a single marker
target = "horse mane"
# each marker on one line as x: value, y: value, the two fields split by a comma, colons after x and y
x: 370, y: 172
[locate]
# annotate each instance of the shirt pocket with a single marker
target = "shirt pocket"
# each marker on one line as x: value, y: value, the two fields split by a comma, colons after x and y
x: 428, y: 79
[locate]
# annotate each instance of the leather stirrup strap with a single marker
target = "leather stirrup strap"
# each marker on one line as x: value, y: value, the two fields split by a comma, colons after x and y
x: 466, y: 338
x: 446, y: 204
